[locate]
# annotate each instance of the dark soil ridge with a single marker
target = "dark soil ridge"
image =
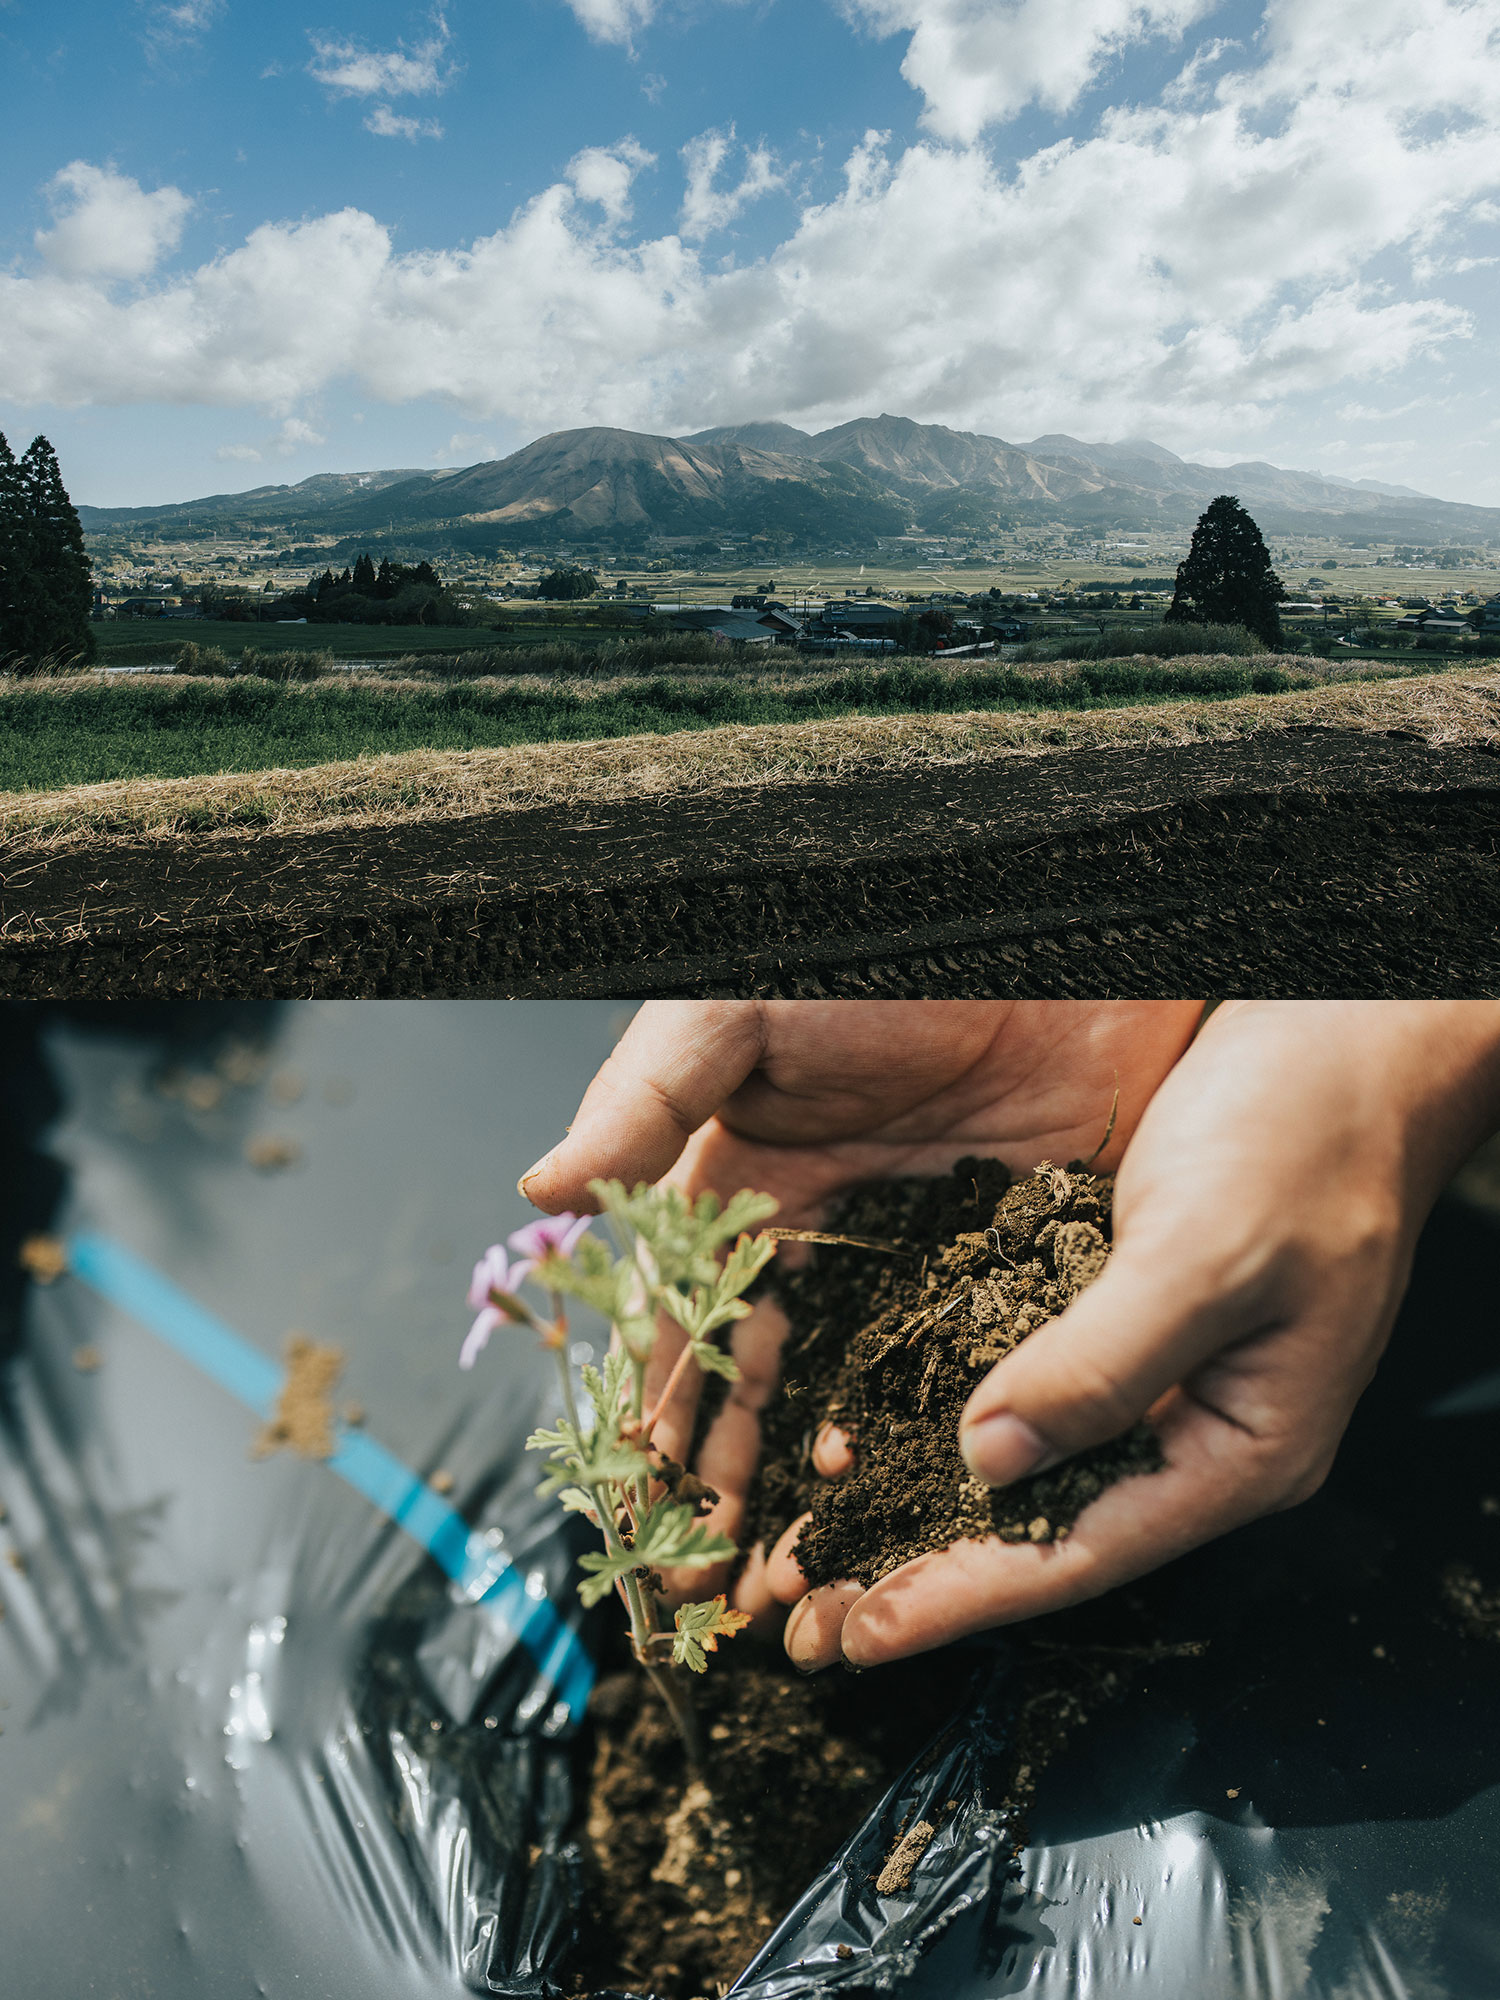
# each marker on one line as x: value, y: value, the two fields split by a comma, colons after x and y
x: 1319, y: 862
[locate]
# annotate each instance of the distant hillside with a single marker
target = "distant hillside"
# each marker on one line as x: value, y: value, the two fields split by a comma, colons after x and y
x: 874, y: 476
x: 264, y: 505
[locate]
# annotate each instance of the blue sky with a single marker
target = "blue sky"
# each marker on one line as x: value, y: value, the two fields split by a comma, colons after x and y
x: 242, y: 243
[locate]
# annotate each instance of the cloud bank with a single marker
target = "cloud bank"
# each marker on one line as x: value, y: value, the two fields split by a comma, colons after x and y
x: 980, y: 62
x: 1277, y: 226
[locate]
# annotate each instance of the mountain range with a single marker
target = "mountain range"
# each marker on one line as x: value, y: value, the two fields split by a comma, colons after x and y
x: 873, y: 476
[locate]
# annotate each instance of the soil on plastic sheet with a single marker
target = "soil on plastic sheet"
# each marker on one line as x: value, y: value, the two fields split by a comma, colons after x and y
x: 1327, y: 862
x: 887, y: 1343
x: 692, y: 1877
x: 889, y: 1347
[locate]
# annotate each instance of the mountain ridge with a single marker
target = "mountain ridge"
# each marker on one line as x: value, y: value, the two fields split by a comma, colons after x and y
x: 871, y: 476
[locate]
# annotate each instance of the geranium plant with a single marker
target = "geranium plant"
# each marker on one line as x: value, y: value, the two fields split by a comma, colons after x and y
x: 669, y: 1262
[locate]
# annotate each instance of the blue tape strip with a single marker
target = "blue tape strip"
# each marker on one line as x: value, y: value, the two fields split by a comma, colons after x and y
x: 473, y: 1563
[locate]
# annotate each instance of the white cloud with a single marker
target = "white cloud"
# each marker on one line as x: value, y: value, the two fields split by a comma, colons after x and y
x: 239, y: 454
x: 388, y: 124
x: 296, y: 435
x: 107, y: 226
x: 352, y: 71
x: 614, y: 20
x: 605, y: 175
x: 706, y: 206
x: 1182, y: 271
x: 466, y: 448
x: 979, y: 62
x: 170, y: 24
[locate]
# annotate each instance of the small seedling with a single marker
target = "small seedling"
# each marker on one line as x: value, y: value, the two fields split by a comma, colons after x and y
x: 669, y: 1263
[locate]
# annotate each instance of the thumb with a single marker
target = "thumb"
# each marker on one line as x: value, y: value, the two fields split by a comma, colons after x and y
x: 1096, y: 1369
x: 676, y: 1063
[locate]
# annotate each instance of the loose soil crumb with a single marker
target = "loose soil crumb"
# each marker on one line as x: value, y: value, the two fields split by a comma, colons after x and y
x: 304, y: 1416
x: 693, y: 1878
x: 87, y: 1360
x: 269, y: 1154
x: 890, y: 1348
x: 1476, y: 1608
x: 44, y: 1257
x: 901, y: 1862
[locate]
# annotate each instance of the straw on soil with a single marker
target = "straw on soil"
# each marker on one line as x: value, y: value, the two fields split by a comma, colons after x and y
x: 1440, y: 708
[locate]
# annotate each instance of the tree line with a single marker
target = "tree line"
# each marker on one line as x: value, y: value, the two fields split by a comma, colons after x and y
x: 361, y: 594
x: 46, y: 587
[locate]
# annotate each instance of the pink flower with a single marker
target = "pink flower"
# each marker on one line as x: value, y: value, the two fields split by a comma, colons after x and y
x: 493, y: 1273
x: 549, y: 1236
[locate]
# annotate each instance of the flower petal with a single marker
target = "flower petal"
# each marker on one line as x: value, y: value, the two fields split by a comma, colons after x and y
x: 478, y: 1336
x: 549, y: 1235
x: 483, y: 1278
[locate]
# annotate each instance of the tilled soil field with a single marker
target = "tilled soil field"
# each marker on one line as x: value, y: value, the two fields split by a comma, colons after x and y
x: 1300, y: 862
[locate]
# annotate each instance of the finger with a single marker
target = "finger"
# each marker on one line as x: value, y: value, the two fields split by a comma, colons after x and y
x: 783, y: 1571
x: 814, y: 1629
x: 1092, y: 1372
x: 673, y: 1067
x: 832, y: 1453
x: 731, y: 1447
x: 1216, y: 1477
x: 752, y: 1594
x: 672, y: 1433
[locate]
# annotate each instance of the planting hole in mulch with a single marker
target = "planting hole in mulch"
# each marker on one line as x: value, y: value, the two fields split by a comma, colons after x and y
x: 692, y: 1877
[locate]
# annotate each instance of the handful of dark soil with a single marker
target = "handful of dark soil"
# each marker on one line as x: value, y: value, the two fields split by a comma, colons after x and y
x: 890, y: 1347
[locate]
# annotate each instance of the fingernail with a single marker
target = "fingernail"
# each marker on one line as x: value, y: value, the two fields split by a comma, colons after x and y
x: 532, y: 1172
x: 1001, y: 1448
x: 807, y: 1663
x: 849, y: 1657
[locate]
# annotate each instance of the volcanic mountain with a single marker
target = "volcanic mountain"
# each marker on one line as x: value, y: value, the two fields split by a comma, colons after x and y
x: 873, y: 476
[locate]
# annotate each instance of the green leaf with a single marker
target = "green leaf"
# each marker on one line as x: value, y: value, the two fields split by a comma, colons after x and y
x: 668, y: 1536
x: 577, y: 1501
x: 682, y: 1238
x: 700, y: 1628
x: 714, y: 1361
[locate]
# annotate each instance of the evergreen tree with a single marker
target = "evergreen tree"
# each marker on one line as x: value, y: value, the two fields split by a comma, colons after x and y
x: 325, y: 585
x: 12, y: 548
x: 364, y: 577
x: 1227, y: 577
x: 385, y: 583
x: 47, y: 590
x: 425, y: 573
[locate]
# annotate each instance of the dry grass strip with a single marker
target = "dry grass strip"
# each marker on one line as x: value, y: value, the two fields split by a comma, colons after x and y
x: 1441, y: 708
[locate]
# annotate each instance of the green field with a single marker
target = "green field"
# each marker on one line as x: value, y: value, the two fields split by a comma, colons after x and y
x: 85, y: 730
x: 146, y: 642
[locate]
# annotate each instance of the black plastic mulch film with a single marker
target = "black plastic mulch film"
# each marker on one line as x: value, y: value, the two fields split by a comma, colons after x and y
x: 285, y: 1728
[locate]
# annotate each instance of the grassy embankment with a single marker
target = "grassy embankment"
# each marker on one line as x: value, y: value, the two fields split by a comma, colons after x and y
x: 87, y: 729
x: 429, y: 785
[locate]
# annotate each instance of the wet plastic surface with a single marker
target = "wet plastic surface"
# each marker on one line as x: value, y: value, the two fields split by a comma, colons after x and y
x: 262, y: 1738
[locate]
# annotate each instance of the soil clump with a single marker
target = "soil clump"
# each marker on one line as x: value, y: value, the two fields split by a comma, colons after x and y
x: 889, y: 1348
x: 304, y: 1417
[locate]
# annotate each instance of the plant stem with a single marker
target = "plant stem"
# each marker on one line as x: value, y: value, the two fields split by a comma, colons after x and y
x: 680, y: 1707
x: 679, y: 1703
x: 679, y: 1367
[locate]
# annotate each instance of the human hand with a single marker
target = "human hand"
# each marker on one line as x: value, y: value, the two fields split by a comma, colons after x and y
x: 803, y: 1098
x: 1265, y: 1215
